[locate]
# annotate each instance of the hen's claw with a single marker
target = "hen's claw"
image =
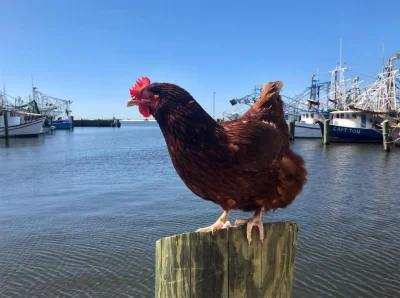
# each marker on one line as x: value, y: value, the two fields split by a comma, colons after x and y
x: 218, y: 225
x: 254, y: 221
x: 221, y: 223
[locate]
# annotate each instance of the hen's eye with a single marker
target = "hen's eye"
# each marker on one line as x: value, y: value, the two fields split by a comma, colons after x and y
x: 146, y: 94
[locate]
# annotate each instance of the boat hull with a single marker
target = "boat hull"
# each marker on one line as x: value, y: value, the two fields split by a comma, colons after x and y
x: 344, y: 134
x: 30, y: 129
x: 66, y: 124
x: 307, y: 131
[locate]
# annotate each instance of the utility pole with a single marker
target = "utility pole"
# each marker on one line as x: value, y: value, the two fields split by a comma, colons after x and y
x: 214, y: 105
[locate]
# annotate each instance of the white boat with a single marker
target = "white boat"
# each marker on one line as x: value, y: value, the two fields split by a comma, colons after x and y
x: 305, y: 108
x: 361, y: 117
x: 306, y: 127
x: 354, y: 127
x: 21, y: 124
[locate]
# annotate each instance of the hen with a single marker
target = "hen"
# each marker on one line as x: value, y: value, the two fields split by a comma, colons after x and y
x: 244, y: 164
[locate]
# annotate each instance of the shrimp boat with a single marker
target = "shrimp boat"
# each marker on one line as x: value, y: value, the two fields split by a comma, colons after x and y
x: 361, y: 117
x: 305, y: 125
x: 21, y: 124
x: 354, y: 127
x: 304, y: 109
x: 54, y: 108
x: 307, y: 109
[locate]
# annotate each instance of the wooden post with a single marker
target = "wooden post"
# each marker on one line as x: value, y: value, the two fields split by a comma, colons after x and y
x: 326, y: 132
x: 224, y: 265
x: 292, y: 126
x: 5, y: 116
x: 385, y: 133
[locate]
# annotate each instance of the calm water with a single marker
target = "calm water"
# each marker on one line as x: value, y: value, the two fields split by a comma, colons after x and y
x: 80, y: 213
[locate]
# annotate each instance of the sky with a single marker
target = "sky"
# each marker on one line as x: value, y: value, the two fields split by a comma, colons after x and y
x: 91, y: 52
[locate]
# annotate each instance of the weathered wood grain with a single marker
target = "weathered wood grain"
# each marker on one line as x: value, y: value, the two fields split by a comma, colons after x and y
x: 174, y: 267
x: 245, y: 263
x: 209, y: 256
x: 198, y: 265
x: 159, y: 274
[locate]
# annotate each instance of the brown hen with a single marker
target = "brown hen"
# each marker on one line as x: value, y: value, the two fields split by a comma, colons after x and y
x: 244, y: 164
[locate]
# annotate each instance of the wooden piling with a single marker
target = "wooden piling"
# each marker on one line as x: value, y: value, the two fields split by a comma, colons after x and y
x: 5, y: 117
x: 385, y: 133
x: 326, y: 132
x: 223, y: 265
x: 292, y: 128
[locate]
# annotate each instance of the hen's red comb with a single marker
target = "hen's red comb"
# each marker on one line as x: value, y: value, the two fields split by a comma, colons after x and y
x: 140, y: 83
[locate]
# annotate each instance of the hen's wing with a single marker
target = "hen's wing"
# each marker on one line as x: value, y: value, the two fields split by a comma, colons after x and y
x: 255, y: 139
x: 254, y: 144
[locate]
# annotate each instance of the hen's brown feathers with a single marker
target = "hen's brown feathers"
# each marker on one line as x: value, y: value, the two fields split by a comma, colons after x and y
x: 269, y: 107
x: 242, y: 164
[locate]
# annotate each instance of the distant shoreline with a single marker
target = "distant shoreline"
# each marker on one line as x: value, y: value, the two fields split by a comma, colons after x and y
x: 132, y: 120
x: 110, y: 119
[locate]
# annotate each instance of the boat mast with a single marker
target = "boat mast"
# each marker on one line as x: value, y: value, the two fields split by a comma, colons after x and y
x: 33, y: 89
x: 391, y: 84
x: 383, y: 56
x: 3, y: 96
x: 341, y: 77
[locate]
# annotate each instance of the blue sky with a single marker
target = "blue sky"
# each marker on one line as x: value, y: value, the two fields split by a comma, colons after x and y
x: 92, y: 51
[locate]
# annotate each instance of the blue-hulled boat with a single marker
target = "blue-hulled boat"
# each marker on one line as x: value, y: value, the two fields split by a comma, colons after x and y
x: 62, y: 124
x: 353, y: 127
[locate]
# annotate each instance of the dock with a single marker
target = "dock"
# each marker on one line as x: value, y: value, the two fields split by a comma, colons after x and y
x: 96, y: 123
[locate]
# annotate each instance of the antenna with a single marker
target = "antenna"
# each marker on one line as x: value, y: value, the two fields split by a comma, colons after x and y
x: 383, y: 56
x: 4, y: 84
x: 33, y: 88
x: 2, y: 96
x: 340, y: 54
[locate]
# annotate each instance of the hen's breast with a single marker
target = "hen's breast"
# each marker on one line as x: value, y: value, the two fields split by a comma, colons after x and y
x: 224, y: 182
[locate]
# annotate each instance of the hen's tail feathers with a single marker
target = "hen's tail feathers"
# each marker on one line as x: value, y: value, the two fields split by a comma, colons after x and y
x: 269, y: 107
x: 269, y: 96
x: 292, y: 177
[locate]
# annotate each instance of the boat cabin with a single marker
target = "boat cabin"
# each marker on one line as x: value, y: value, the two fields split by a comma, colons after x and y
x: 289, y: 117
x: 354, y: 119
x: 12, y: 118
x: 17, y: 117
x: 309, y: 117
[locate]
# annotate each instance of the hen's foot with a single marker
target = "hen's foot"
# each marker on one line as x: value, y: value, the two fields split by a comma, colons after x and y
x: 214, y: 227
x: 254, y: 221
x: 221, y: 223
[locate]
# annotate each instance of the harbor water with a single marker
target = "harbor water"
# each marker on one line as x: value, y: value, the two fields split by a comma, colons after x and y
x: 80, y: 212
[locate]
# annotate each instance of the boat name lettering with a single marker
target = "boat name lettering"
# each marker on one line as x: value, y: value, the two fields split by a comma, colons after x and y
x: 346, y: 129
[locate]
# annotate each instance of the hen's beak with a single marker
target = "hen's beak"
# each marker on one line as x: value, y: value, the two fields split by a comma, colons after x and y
x: 132, y: 102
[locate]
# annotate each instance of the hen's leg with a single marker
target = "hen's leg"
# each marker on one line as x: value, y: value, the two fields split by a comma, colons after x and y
x: 221, y: 223
x: 254, y: 221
